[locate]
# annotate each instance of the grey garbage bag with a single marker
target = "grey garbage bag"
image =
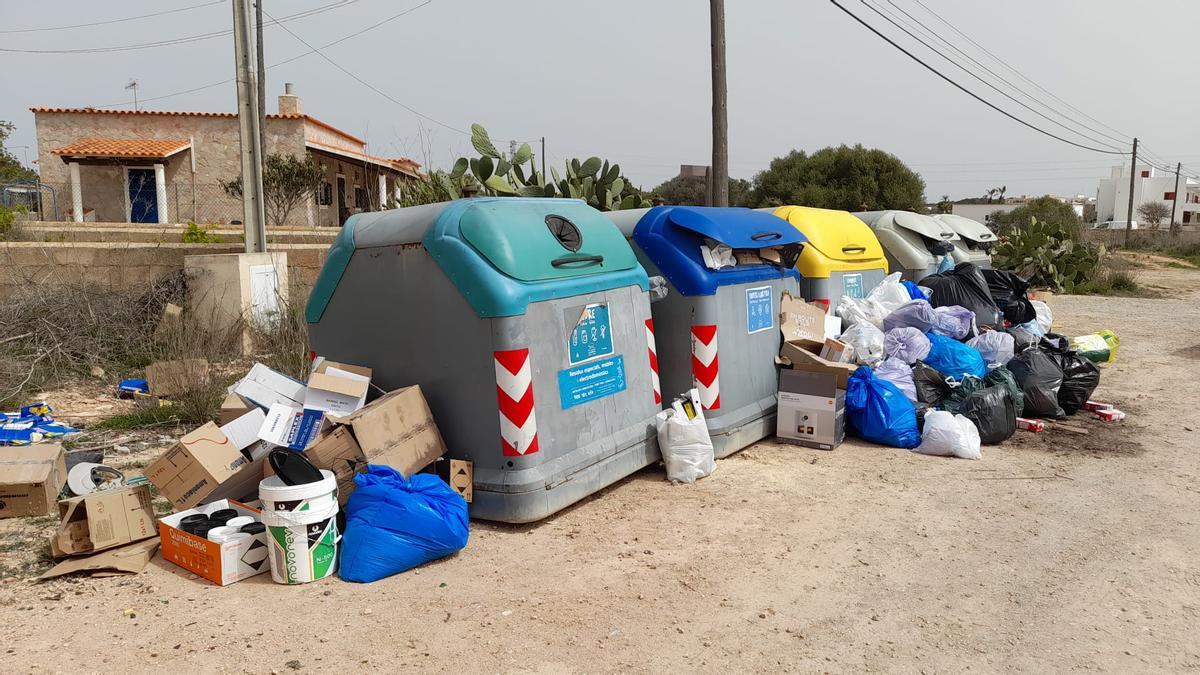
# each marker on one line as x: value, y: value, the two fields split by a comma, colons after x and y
x: 917, y: 314
x: 997, y: 347
x: 907, y: 344
x: 900, y: 374
x: 954, y: 322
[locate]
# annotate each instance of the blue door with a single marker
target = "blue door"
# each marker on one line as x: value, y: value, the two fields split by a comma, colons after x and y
x: 143, y: 197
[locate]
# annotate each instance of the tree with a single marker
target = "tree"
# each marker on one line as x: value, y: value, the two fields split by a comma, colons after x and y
x: 693, y: 191
x: 1154, y: 213
x: 1046, y: 210
x: 1089, y: 213
x: 945, y: 205
x: 11, y: 169
x: 846, y: 178
x: 287, y: 181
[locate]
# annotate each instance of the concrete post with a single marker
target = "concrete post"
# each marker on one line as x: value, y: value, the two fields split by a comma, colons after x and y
x: 160, y: 192
x: 382, y: 191
x: 76, y: 193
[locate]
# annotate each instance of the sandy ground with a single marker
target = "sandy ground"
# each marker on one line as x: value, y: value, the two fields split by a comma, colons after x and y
x: 1055, y: 552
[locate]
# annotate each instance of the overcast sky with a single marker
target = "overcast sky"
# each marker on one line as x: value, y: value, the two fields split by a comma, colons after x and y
x: 629, y: 80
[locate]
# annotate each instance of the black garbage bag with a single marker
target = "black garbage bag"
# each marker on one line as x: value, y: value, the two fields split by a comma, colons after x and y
x: 931, y: 385
x: 1002, y: 376
x: 1080, y: 376
x: 964, y: 286
x: 1009, y: 293
x: 1022, y: 338
x: 953, y: 400
x: 993, y: 412
x: 1040, y: 377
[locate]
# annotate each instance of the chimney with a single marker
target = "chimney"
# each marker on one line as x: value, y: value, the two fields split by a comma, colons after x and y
x: 289, y: 103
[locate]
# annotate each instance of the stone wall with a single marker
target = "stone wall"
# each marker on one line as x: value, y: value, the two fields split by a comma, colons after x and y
x: 1161, y: 237
x: 124, y: 266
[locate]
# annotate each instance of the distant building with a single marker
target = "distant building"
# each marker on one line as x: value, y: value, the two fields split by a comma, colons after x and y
x: 148, y: 166
x: 1149, y: 185
x: 693, y: 171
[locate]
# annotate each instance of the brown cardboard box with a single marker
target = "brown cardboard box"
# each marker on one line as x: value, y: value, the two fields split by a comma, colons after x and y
x: 459, y: 474
x: 114, y: 562
x: 103, y: 520
x: 30, y: 479
x: 799, y: 320
x: 199, y: 463
x: 337, y: 451
x: 397, y: 429
x: 797, y: 357
x: 837, y: 351
x: 171, y: 378
x: 326, y: 364
x: 233, y: 407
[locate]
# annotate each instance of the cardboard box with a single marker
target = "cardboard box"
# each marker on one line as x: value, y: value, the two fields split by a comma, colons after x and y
x: 459, y: 474
x: 336, y: 391
x: 31, y: 477
x: 113, y: 562
x: 171, y: 378
x: 837, y: 351
x: 198, y: 465
x: 103, y: 520
x: 397, y: 429
x: 291, y: 427
x: 322, y: 365
x: 794, y: 356
x: 337, y: 451
x: 233, y: 407
x: 812, y: 410
x: 265, y: 387
x: 800, y: 321
x: 222, y: 564
x: 243, y: 431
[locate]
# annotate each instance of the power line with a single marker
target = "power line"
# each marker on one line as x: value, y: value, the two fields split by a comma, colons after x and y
x: 368, y: 85
x: 993, y: 87
x: 174, y: 41
x: 966, y: 91
x: 1124, y: 141
x: 280, y: 63
x: 112, y: 21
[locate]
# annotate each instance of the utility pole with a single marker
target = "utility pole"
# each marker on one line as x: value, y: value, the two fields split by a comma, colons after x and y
x: 249, y: 131
x: 1132, y: 174
x: 262, y: 79
x: 543, y: 158
x: 1175, y: 194
x: 719, y: 190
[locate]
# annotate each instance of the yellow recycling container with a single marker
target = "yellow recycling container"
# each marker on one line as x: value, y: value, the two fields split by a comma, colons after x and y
x: 842, y: 255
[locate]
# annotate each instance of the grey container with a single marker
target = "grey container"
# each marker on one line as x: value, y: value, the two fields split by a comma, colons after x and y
x: 483, y: 302
x: 716, y: 330
x: 975, y: 240
x: 907, y: 239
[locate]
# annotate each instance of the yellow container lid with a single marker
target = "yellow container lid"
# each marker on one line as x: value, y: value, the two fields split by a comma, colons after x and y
x: 837, y: 241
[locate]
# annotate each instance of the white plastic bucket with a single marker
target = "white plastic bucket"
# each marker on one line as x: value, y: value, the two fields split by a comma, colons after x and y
x: 301, y: 528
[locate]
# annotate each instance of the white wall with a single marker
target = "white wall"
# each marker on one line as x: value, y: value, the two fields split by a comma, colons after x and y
x: 1112, y: 194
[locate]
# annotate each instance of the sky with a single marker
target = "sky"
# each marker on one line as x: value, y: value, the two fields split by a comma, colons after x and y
x: 629, y: 80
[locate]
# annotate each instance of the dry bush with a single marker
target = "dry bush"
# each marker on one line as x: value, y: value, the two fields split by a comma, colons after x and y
x: 281, y: 342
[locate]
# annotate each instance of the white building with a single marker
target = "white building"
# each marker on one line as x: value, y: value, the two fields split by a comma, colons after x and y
x: 1149, y: 185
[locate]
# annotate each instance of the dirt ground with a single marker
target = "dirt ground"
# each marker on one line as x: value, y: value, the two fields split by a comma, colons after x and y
x: 1056, y: 552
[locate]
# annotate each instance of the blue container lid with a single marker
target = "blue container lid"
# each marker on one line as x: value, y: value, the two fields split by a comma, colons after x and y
x: 671, y: 237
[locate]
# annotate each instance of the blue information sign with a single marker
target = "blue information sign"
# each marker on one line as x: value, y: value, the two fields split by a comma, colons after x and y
x: 591, y: 381
x: 759, y: 316
x: 852, y: 286
x: 592, y: 336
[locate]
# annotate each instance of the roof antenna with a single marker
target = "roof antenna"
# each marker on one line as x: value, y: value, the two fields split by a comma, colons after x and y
x: 133, y: 84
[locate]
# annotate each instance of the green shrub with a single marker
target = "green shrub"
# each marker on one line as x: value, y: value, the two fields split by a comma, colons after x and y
x: 1046, y: 255
x: 194, y: 234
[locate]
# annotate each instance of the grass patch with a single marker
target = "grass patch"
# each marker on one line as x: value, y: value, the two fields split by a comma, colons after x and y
x: 142, y: 419
x: 1114, y: 281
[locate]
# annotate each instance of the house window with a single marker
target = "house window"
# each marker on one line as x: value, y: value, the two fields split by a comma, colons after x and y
x: 1168, y: 195
x: 325, y: 194
x: 360, y: 197
x: 1145, y: 174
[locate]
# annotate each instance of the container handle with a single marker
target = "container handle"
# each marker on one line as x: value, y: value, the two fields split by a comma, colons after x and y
x: 853, y: 249
x: 767, y: 236
x: 573, y: 259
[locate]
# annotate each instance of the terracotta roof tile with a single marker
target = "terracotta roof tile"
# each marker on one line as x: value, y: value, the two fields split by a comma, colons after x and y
x: 169, y: 113
x: 115, y: 147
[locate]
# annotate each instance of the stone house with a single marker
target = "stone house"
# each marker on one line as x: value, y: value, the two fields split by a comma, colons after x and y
x: 150, y: 166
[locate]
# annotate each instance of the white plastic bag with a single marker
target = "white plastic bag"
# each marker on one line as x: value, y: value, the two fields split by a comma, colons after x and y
x: 867, y: 341
x: 954, y: 322
x: 948, y: 435
x: 997, y: 347
x: 854, y: 311
x: 686, y: 447
x: 900, y: 374
x: 907, y: 344
x: 890, y: 293
x: 1045, y: 317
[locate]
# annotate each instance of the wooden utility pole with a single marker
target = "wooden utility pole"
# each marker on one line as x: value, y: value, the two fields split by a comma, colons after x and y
x: 543, y: 158
x: 1132, y: 175
x: 719, y: 189
x: 262, y: 78
x: 249, y: 131
x: 1175, y: 194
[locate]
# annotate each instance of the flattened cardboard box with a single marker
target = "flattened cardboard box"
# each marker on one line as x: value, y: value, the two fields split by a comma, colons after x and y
x: 30, y: 479
x: 197, y: 466
x: 113, y: 562
x: 103, y: 520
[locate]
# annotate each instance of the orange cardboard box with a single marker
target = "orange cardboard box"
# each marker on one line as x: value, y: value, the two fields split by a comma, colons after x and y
x: 222, y: 564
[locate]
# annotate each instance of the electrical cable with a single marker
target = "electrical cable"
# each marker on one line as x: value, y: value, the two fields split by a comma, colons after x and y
x: 111, y: 21
x: 993, y: 87
x: 970, y: 93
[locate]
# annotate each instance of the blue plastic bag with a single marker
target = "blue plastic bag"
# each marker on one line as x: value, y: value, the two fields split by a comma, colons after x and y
x: 879, y: 412
x: 395, y: 523
x: 914, y: 291
x: 953, y: 358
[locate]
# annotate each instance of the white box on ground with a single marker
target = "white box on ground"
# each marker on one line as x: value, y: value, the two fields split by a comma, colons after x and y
x: 243, y: 431
x: 265, y: 388
x: 811, y: 409
x: 336, y: 391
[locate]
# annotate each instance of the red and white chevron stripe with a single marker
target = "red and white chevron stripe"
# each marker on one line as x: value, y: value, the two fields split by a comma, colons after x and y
x: 653, y: 360
x: 705, y: 367
x: 514, y: 395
